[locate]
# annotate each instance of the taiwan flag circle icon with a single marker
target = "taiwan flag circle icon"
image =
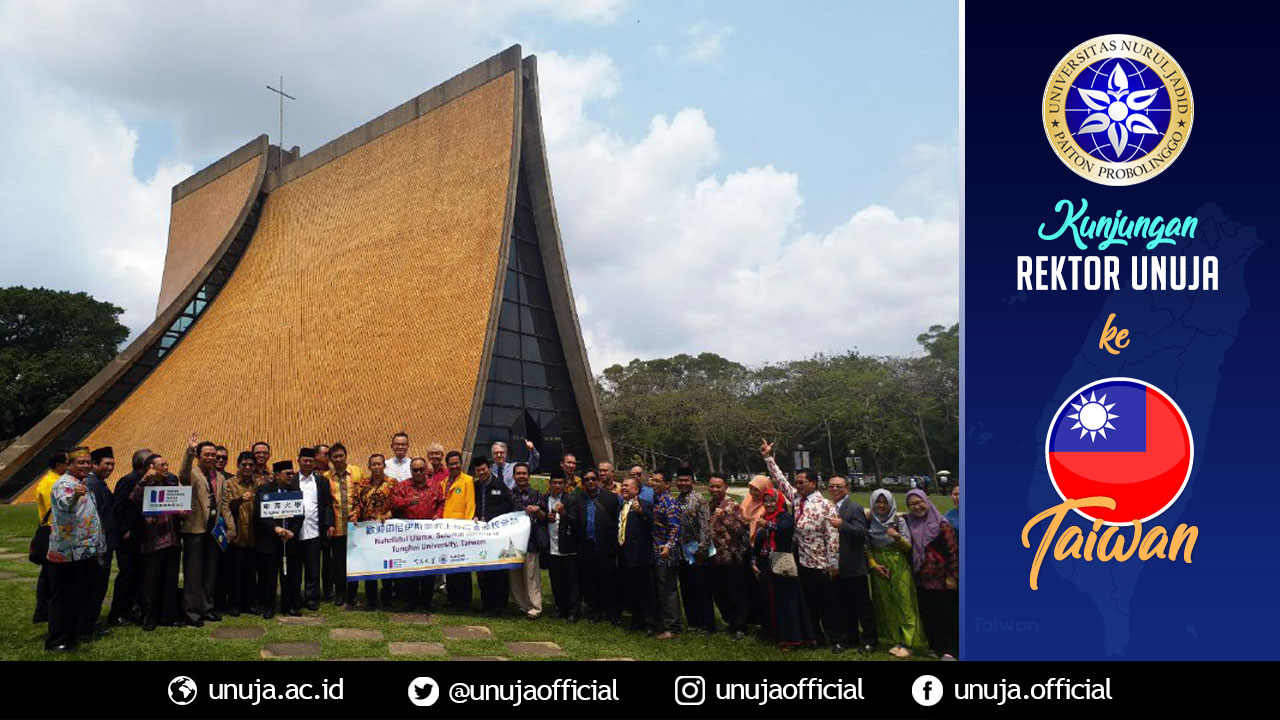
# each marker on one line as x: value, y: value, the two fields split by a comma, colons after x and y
x: 1124, y: 439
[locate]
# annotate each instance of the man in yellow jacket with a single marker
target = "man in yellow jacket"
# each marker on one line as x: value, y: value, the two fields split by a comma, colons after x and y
x: 44, y: 487
x: 459, y: 504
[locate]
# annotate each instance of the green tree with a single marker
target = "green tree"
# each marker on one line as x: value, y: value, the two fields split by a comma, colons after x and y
x: 51, y: 343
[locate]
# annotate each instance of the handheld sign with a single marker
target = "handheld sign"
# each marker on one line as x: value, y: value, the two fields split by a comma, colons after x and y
x: 166, y: 499
x: 282, y: 504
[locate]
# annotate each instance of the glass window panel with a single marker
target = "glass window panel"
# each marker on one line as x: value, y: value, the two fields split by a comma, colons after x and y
x: 486, y: 415
x: 513, y: 257
x: 564, y: 400
x: 544, y: 323
x: 509, y: 316
x: 526, y: 320
x: 503, y: 416
x: 535, y: 374
x: 537, y: 397
x: 537, y: 294
x: 529, y: 348
x: 557, y: 377
x: 530, y: 261
x: 506, y: 370
x: 550, y: 351
x: 522, y: 189
x: 521, y: 284
x: 508, y: 343
x: 504, y: 394
x: 525, y: 228
x: 509, y: 290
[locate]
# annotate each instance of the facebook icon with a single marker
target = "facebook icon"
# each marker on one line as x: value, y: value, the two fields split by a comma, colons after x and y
x: 927, y: 690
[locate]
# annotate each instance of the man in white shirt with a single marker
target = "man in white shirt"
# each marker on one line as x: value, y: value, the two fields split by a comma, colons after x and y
x: 565, y: 519
x: 505, y: 469
x: 398, y: 464
x: 317, y: 521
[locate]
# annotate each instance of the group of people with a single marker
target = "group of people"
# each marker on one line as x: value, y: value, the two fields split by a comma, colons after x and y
x: 810, y: 571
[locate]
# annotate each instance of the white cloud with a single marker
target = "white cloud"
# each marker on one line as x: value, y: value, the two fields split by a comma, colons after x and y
x: 76, y: 217
x: 675, y: 258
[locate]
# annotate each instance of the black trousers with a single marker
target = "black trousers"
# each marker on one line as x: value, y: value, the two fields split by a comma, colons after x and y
x: 97, y: 579
x: 816, y: 585
x: 598, y: 578
x: 638, y: 593
x: 68, y: 590
x: 333, y: 572
x: 563, y: 570
x: 370, y: 592
x: 199, y: 574
x: 854, y: 608
x: 309, y: 565
x: 242, y: 586
x: 291, y: 573
x: 666, y: 596
x: 270, y: 572
x: 42, y: 596
x: 124, y: 596
x: 222, y: 584
x: 159, y: 588
x: 695, y: 594
x: 417, y: 591
x: 940, y: 613
x: 458, y: 591
x: 730, y: 585
x: 494, y: 588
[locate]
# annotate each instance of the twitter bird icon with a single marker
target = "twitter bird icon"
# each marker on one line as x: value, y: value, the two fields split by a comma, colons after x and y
x: 424, y: 692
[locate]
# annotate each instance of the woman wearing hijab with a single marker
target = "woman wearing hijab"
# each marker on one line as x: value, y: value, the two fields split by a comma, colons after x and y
x: 787, y: 619
x: 893, y: 591
x: 752, y: 507
x: 935, y: 562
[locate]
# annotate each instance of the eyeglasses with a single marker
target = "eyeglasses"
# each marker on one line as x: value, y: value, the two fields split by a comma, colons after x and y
x: 222, y: 458
x: 417, y: 470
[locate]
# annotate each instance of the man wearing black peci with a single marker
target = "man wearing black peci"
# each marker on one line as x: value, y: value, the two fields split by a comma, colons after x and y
x: 564, y: 514
x: 598, y: 557
x: 276, y: 540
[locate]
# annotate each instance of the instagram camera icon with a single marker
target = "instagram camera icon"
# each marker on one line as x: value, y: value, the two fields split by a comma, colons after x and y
x: 691, y: 690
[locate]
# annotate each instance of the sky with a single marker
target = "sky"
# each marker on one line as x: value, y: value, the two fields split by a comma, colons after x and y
x: 772, y: 180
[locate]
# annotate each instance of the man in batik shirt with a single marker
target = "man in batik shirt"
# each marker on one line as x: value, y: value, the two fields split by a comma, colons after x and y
x: 76, y: 545
x: 695, y: 533
x: 730, y: 576
x: 371, y: 502
x: 667, y: 555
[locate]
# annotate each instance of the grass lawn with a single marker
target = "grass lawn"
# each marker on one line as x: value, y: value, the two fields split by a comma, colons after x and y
x: 20, y: 639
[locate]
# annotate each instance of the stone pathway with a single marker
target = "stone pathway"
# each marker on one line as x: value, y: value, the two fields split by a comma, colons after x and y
x: 12, y: 556
x: 5, y: 575
x: 465, y: 632
x: 354, y: 634
x: 288, y: 650
x: 535, y: 649
x: 416, y: 648
x: 413, y: 618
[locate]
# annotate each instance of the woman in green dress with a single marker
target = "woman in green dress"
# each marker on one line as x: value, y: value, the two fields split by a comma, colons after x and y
x: 893, y: 590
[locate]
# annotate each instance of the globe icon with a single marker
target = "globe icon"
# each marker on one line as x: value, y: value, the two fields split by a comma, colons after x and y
x: 1118, y: 110
x: 182, y: 690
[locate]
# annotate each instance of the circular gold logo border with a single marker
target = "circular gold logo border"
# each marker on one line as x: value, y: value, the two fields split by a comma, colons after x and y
x: 1064, y: 144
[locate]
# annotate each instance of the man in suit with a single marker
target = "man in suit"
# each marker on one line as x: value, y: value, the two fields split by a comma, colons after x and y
x: 853, y: 597
x: 635, y: 556
x: 317, y: 523
x: 124, y: 596
x: 200, y: 551
x: 505, y: 468
x: 275, y: 538
x: 98, y: 575
x: 598, y: 556
x: 564, y: 513
x: 493, y: 499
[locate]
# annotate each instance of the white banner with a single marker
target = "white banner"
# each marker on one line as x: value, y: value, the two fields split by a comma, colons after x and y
x: 404, y: 548
x: 166, y: 499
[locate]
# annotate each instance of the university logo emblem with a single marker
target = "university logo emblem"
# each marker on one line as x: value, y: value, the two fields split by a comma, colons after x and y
x: 1123, y: 439
x: 1117, y: 110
